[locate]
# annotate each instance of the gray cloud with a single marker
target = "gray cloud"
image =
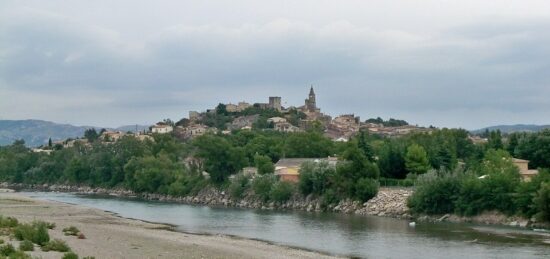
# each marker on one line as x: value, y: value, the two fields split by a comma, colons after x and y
x: 470, y: 75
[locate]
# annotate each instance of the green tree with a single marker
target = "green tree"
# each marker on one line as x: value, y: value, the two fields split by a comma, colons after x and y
x: 221, y: 159
x: 364, y: 145
x: 354, y: 167
x: 91, y: 135
x: 542, y: 202
x: 264, y: 164
x: 221, y: 109
x: 281, y: 191
x: 416, y: 160
x: 495, y: 140
x: 315, y: 178
x: 308, y: 144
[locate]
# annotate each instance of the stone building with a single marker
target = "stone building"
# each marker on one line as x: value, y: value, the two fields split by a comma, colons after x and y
x: 275, y: 103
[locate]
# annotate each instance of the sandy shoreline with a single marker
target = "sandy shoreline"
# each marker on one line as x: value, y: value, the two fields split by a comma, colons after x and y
x: 111, y: 236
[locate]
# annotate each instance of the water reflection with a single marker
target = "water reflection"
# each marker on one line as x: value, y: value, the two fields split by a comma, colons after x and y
x: 333, y: 233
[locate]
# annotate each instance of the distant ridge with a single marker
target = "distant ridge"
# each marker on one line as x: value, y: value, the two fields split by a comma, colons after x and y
x: 37, y: 132
x: 513, y: 128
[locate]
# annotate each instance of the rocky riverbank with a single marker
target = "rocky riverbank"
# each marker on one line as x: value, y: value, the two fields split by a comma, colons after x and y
x: 389, y: 202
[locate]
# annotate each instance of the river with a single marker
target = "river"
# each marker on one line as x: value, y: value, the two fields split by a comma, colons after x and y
x: 349, y: 235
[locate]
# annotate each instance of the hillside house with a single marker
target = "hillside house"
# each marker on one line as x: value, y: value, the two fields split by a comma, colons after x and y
x: 524, y: 171
x: 111, y: 136
x: 162, y: 129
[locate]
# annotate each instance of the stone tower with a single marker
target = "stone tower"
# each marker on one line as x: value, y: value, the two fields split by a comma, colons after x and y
x: 275, y: 103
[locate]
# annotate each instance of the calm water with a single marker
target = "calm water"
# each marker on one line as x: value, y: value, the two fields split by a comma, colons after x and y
x: 350, y: 235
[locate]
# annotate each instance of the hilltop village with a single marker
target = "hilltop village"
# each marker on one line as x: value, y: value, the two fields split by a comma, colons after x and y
x: 273, y: 116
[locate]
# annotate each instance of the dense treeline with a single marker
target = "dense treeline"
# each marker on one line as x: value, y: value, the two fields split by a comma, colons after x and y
x: 491, y: 183
x: 167, y: 165
x: 494, y: 185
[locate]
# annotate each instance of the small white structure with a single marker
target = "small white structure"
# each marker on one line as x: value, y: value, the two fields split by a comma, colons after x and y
x: 162, y: 129
x: 276, y: 120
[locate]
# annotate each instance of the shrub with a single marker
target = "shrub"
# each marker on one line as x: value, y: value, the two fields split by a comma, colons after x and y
x: 35, y: 232
x: 526, y: 193
x: 26, y: 245
x: 315, y: 177
x: 56, y: 245
x: 262, y: 186
x: 281, y: 191
x: 71, y: 231
x: 8, y: 222
x: 7, y: 250
x: 264, y: 164
x: 542, y: 202
x: 238, y: 186
x: 19, y: 255
x: 1, y: 241
x: 435, y: 195
x: 366, y: 189
x: 499, y: 192
x: 330, y: 197
x: 70, y: 255
x: 471, y: 197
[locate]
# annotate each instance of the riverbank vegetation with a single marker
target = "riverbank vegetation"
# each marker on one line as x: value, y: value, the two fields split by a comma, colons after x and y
x: 451, y: 174
x: 28, y: 235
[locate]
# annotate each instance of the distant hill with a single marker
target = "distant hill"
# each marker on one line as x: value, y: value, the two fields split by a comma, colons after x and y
x: 514, y: 128
x: 37, y: 132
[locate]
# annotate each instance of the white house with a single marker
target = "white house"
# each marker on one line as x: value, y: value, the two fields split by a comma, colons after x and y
x: 162, y: 129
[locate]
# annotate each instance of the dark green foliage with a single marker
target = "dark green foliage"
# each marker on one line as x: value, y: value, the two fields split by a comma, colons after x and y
x: 330, y: 197
x: 152, y: 174
x: 91, y: 135
x: 391, y: 159
x: 264, y: 164
x: 281, y: 191
x: 238, y: 186
x: 55, y: 245
x: 70, y: 255
x: 364, y: 145
x: 493, y: 185
x: 416, y: 160
x: 26, y: 245
x: 366, y: 189
x: 7, y: 250
x: 262, y: 186
x: 435, y: 194
x: 527, y: 191
x: 534, y: 147
x: 389, y: 123
x: 542, y: 202
x: 308, y: 144
x: 221, y: 159
x: 315, y: 177
x: 348, y: 172
x: 495, y: 140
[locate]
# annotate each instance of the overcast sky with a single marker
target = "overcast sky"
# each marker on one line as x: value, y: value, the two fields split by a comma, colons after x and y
x: 462, y: 63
